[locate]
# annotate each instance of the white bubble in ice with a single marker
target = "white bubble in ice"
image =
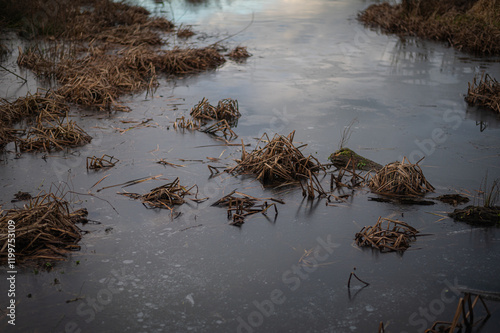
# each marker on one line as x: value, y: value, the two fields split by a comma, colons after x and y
x: 127, y: 262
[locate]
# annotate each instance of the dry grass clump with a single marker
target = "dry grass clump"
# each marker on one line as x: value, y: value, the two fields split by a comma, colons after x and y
x: 239, y: 53
x: 466, y: 25
x: 279, y: 161
x: 185, y: 32
x: 44, y: 228
x: 203, y: 110
x: 400, y: 178
x: 165, y: 196
x: 56, y: 135
x: 184, y: 61
x: 485, y: 93
x: 31, y: 106
x: 395, y: 236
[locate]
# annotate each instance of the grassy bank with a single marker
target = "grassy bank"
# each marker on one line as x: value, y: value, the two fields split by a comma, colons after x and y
x: 472, y: 26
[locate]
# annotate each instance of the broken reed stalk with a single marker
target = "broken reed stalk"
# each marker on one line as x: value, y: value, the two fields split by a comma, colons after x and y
x: 484, y: 93
x: 278, y: 162
x: 44, y: 228
x: 350, y: 277
x: 400, y: 178
x: 395, y: 236
x: 105, y: 161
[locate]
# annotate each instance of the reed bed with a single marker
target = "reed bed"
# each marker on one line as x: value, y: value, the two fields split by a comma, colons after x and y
x: 53, y: 136
x: 466, y: 25
x: 45, y: 229
x: 279, y: 161
x: 485, y: 93
x: 394, y: 236
x: 240, y: 205
x: 166, y: 196
x: 400, y: 178
x: 105, y: 161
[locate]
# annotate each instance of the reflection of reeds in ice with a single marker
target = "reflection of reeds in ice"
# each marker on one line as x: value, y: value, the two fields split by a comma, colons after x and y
x: 400, y: 178
x: 395, y: 236
x: 44, y: 228
x: 485, y: 93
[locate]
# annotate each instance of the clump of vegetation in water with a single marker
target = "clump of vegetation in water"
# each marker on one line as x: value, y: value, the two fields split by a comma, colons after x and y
x: 488, y: 212
x: 472, y: 26
x: 486, y: 93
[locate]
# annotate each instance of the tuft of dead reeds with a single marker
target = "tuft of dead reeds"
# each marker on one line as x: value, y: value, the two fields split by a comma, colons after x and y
x: 166, y: 196
x: 240, y: 205
x: 279, y: 161
x: 400, y: 178
x: 394, y: 236
x: 32, y: 105
x: 44, y: 228
x: 484, y: 93
x: 184, y: 32
x: 239, y: 53
x: 227, y: 109
x: 192, y: 60
x: 47, y: 136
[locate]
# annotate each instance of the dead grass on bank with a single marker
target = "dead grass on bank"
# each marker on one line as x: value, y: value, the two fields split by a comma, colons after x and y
x: 278, y: 162
x: 395, y: 236
x: 400, y: 178
x: 45, y: 229
x: 485, y: 93
x: 466, y: 25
